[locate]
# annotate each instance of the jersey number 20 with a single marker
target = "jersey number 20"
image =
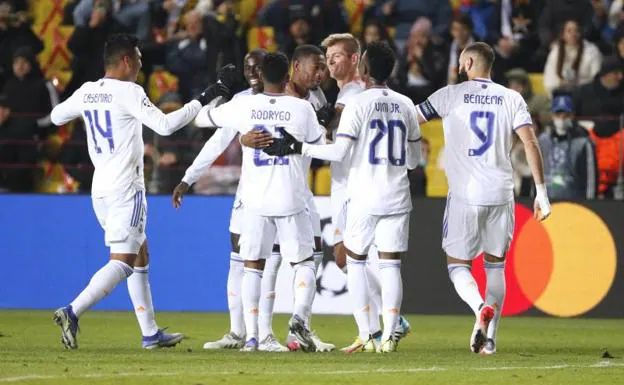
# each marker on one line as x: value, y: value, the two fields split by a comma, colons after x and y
x: 485, y: 136
x: 388, y: 129
x: 94, y: 123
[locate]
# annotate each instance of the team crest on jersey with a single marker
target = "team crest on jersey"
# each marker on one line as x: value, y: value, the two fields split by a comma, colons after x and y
x: 272, y: 101
x: 147, y: 103
x: 484, y: 86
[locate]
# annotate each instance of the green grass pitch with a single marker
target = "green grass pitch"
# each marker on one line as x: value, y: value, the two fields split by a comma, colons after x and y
x: 531, y: 351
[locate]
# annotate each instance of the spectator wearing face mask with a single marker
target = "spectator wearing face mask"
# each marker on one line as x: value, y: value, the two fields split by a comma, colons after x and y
x: 569, y: 155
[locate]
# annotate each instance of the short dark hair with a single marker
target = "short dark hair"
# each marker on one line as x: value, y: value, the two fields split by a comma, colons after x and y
x: 274, y: 67
x: 259, y: 52
x: 484, y: 51
x: 306, y: 50
x: 465, y: 20
x: 119, y: 45
x: 381, y: 60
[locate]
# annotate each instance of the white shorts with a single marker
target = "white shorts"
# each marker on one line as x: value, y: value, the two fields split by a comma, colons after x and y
x: 315, y: 217
x: 123, y: 219
x: 339, y: 213
x: 238, y: 213
x: 389, y: 233
x: 469, y: 230
x: 294, y: 233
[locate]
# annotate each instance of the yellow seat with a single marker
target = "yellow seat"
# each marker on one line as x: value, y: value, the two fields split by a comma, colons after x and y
x: 537, y: 83
x: 159, y: 83
x: 261, y: 37
x: 436, y: 178
x: 322, y: 181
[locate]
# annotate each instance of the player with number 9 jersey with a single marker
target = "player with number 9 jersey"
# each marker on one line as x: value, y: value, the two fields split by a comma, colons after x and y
x: 477, y: 116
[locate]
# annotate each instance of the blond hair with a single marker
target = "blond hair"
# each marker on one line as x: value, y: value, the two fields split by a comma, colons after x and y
x: 349, y: 42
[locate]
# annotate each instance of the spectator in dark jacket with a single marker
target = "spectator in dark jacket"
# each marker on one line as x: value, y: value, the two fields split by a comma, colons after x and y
x: 192, y: 59
x: 18, y: 150
x: 31, y: 95
x: 570, y: 167
x: 15, y: 32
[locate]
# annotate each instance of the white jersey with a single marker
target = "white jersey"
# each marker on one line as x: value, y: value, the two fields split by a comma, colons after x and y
x: 317, y: 99
x: 213, y: 148
x: 274, y: 186
x: 340, y: 170
x: 381, y: 122
x: 479, y: 118
x: 114, y: 112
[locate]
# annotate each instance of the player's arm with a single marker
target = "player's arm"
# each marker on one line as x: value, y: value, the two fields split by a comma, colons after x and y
x: 211, y: 150
x: 67, y: 111
x: 414, y: 141
x: 435, y: 107
x: 166, y: 124
x: 335, y: 152
x: 533, y: 153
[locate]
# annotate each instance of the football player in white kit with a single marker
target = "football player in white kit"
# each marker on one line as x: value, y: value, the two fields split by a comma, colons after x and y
x: 379, y: 128
x: 343, y: 57
x: 308, y: 65
x: 114, y: 110
x: 274, y: 195
x: 213, y: 148
x: 479, y: 119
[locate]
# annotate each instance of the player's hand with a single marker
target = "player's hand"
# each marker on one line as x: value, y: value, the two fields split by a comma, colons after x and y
x: 256, y: 139
x: 228, y: 75
x: 287, y: 145
x: 541, y: 206
x: 213, y: 91
x: 325, y: 114
x: 178, y: 193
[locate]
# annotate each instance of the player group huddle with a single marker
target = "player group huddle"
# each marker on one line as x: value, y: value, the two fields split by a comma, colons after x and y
x: 371, y: 136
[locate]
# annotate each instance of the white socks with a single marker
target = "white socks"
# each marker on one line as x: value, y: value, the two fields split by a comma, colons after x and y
x: 357, y: 284
x: 102, y: 283
x: 235, y: 302
x: 304, y: 288
x: 495, y: 293
x: 374, y: 292
x: 391, y: 294
x: 267, y: 296
x: 252, y: 279
x: 141, y: 296
x: 465, y: 285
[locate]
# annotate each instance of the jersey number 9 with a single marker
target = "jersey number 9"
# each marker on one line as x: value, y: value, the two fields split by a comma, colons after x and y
x: 485, y: 136
x: 94, y: 123
x: 388, y: 129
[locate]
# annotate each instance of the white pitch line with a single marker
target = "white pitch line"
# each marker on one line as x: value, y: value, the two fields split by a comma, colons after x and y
x: 32, y: 377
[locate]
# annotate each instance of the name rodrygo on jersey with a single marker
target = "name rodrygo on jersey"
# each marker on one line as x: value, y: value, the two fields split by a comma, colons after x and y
x: 274, y: 186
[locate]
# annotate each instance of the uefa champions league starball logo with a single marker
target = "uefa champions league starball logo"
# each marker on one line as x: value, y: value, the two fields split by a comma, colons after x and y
x: 331, y: 281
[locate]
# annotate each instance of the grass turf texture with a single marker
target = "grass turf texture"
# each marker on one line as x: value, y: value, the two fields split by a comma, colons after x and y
x: 531, y: 351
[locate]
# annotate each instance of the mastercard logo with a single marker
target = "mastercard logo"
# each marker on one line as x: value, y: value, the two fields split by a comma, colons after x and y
x: 563, y: 266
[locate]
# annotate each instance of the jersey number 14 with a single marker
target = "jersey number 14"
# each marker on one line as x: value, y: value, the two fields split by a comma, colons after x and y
x: 94, y: 124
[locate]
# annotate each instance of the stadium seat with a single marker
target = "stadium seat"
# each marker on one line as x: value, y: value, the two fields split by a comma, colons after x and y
x: 161, y: 82
x: 261, y: 37
x: 322, y: 181
x: 436, y: 179
x: 537, y: 83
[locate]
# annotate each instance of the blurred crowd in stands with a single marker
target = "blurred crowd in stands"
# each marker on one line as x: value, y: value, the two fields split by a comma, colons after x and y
x: 565, y: 57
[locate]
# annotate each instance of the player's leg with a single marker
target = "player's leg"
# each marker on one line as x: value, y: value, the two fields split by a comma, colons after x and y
x: 392, y: 238
x: 358, y: 236
x: 115, y: 217
x: 374, y: 293
x: 315, y: 220
x: 256, y: 241
x: 268, y: 341
x: 497, y: 238
x: 235, y: 339
x: 461, y: 242
x: 297, y: 243
x: 141, y: 296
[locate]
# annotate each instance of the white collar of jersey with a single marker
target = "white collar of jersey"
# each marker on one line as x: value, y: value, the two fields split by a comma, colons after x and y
x: 484, y: 80
x: 273, y: 94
